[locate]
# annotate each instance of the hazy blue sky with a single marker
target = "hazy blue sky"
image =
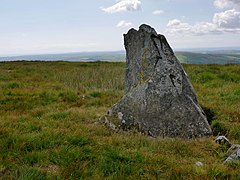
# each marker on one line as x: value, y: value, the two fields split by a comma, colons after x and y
x: 58, y: 26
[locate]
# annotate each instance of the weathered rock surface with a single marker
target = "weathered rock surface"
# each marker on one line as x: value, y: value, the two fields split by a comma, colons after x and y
x: 235, y: 153
x: 223, y: 140
x: 159, y: 98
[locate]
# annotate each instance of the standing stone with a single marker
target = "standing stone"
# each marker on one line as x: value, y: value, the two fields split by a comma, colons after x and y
x: 159, y: 98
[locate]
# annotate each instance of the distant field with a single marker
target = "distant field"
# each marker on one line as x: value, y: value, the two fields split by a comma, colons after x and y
x: 73, y: 57
x: 208, y: 58
x: 204, y: 57
x: 48, y: 112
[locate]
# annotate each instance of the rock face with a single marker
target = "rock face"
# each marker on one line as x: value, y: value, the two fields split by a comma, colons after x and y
x: 235, y: 153
x: 159, y: 98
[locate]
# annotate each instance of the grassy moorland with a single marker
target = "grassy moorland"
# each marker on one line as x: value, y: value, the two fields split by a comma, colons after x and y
x: 47, y: 130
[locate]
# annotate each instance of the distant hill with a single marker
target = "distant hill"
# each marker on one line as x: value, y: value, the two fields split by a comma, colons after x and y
x: 78, y: 56
x: 211, y: 57
x: 198, y: 57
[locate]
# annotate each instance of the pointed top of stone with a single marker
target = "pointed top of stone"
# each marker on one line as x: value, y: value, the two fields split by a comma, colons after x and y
x: 147, y: 28
x: 143, y: 28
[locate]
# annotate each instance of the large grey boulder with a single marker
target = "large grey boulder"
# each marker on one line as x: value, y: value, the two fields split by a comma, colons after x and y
x: 159, y: 98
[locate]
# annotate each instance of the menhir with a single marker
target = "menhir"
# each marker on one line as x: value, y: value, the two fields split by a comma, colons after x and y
x: 159, y: 98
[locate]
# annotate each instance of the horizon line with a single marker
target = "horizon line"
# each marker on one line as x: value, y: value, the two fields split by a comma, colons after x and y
x: 122, y: 50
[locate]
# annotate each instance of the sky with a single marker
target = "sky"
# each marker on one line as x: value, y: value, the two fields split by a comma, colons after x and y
x: 61, y: 26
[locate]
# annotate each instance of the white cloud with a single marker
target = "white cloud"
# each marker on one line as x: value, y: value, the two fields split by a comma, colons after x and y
x: 227, y: 21
x: 205, y: 28
x: 175, y: 26
x: 124, y: 5
x: 174, y: 22
x: 222, y: 3
x: 157, y: 12
x: 226, y: 3
x: 123, y: 24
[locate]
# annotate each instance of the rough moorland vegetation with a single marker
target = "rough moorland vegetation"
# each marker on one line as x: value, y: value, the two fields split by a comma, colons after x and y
x: 47, y: 129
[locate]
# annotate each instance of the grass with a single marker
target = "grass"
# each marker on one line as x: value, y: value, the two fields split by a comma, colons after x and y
x: 47, y: 130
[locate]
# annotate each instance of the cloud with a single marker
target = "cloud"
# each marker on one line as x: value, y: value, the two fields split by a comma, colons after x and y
x: 123, y: 5
x: 157, y: 12
x: 227, y: 21
x: 226, y: 3
x: 176, y: 26
x: 123, y: 24
x: 222, y: 3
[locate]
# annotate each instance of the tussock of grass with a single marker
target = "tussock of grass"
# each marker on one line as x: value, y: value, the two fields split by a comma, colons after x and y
x: 47, y: 130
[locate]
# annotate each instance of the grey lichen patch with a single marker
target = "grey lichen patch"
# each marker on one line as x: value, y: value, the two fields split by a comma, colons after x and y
x: 159, y: 99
